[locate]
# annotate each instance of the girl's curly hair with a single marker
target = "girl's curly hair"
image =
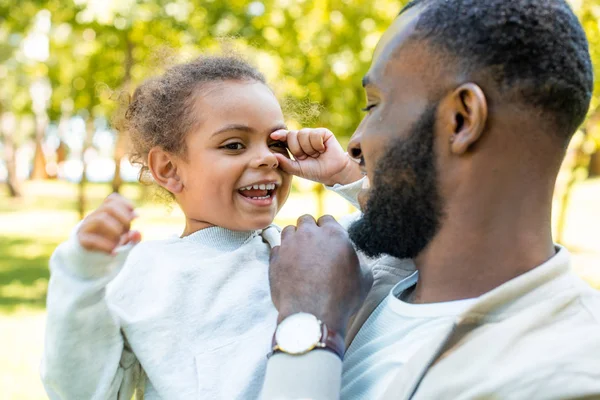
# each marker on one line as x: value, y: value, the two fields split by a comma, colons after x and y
x: 160, y: 112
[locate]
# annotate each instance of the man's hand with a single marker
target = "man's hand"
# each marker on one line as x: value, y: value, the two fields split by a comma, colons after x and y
x: 316, y: 270
x: 318, y: 156
x: 108, y: 227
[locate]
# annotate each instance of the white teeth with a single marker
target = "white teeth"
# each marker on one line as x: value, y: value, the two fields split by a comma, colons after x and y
x: 264, y: 186
x: 261, y: 198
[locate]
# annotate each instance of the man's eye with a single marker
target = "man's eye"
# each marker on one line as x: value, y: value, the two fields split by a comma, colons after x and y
x: 233, y: 146
x: 369, y: 107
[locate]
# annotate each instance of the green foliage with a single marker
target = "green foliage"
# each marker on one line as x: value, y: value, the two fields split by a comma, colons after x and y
x: 313, y: 52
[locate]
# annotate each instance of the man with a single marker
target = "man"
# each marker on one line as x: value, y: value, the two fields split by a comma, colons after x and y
x: 471, y: 104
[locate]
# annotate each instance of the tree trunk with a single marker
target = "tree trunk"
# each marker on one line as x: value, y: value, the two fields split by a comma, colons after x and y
x: 39, y: 159
x: 121, y: 139
x: 12, y: 182
x: 87, y: 143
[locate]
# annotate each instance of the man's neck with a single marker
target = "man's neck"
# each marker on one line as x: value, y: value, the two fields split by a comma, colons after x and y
x: 475, y: 252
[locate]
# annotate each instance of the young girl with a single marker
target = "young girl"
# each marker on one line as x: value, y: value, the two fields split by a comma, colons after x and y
x: 190, y: 316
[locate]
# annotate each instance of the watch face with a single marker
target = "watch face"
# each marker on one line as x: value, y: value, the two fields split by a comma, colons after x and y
x: 298, y: 333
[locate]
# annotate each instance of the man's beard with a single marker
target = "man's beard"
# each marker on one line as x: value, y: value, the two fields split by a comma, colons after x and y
x: 404, y: 208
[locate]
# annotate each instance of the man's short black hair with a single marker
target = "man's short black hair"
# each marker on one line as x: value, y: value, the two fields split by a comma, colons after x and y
x: 536, y: 47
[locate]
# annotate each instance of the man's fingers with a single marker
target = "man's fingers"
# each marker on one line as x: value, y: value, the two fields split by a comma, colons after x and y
x: 306, y: 220
x: 287, y: 232
x: 326, y: 220
x: 274, y: 254
x: 95, y: 242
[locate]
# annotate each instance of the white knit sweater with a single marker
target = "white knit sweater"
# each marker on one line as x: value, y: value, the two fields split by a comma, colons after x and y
x: 181, y: 318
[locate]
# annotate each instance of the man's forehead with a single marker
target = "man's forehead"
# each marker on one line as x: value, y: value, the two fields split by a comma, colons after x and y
x: 400, y: 30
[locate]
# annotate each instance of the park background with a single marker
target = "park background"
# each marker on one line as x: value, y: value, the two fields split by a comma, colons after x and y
x: 66, y: 64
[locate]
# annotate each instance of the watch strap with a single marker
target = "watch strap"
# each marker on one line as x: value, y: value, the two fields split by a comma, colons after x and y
x: 330, y: 340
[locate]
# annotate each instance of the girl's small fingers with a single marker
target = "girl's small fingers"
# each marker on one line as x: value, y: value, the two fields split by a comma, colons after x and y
x: 117, y: 198
x: 121, y: 213
x: 132, y: 237
x: 106, y: 225
x: 317, y: 141
x: 135, y: 236
x: 287, y: 165
x: 94, y: 242
x: 280, y: 134
x: 294, y: 146
x: 305, y: 142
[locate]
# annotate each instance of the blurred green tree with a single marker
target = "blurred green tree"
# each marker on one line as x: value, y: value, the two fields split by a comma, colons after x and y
x: 313, y: 53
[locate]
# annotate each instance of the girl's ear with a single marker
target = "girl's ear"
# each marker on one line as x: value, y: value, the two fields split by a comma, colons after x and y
x: 163, y: 168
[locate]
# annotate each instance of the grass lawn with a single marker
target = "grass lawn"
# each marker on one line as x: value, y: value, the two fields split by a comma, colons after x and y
x: 30, y: 229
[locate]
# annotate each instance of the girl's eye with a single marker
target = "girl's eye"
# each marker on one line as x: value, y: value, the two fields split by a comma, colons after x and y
x: 280, y: 145
x: 233, y: 146
x: 369, y: 107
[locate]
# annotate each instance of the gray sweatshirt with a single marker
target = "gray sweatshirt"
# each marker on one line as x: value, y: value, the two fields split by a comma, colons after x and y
x: 179, y: 318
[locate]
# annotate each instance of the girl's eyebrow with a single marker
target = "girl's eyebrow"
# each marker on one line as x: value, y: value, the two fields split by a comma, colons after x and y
x: 245, y: 128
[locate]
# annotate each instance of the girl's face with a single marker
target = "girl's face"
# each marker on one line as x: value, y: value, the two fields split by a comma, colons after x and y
x: 230, y: 176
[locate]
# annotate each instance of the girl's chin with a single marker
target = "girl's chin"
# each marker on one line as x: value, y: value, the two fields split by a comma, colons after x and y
x: 255, y: 222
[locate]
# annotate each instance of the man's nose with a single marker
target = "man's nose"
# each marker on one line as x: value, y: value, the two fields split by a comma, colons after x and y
x: 354, y: 149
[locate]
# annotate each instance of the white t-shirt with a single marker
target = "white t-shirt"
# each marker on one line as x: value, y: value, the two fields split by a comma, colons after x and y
x: 394, y: 332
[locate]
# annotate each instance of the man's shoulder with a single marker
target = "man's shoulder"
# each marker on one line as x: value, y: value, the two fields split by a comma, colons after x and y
x: 550, y: 350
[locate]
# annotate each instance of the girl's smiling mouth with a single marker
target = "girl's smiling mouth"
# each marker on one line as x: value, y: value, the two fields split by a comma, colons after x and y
x: 260, y: 193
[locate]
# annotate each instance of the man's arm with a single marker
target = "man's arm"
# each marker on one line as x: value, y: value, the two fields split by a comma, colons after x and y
x: 315, y: 270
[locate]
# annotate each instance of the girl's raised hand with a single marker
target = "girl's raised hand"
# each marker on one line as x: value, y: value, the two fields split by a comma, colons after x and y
x: 109, y: 226
x: 318, y: 156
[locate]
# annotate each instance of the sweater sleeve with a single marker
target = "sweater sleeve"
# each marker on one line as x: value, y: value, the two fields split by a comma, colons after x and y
x: 316, y: 375
x: 349, y: 192
x: 85, y: 356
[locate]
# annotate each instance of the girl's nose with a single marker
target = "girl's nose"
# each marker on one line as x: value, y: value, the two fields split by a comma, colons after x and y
x: 266, y: 159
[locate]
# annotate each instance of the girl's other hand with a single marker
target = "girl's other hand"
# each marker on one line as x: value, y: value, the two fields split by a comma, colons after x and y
x: 109, y: 226
x: 318, y: 156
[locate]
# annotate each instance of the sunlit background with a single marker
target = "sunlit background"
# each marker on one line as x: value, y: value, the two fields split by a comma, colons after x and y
x: 65, y: 66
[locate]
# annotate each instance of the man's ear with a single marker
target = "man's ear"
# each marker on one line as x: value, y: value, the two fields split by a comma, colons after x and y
x: 468, y: 110
x: 163, y: 168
